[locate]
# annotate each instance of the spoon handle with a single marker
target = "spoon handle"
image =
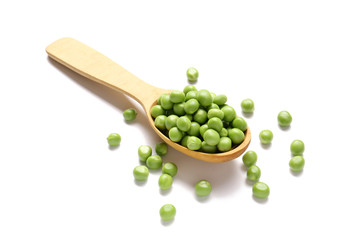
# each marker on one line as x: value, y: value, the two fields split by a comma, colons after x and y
x: 99, y: 68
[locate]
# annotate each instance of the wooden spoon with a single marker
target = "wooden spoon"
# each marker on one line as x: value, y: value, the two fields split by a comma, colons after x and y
x: 97, y: 67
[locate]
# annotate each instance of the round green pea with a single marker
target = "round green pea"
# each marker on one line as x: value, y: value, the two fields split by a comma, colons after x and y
x: 165, y: 181
x: 223, y: 132
x: 165, y: 102
x: 236, y: 135
x: 154, y: 162
x: 249, y: 158
x: 208, y: 148
x: 204, y: 97
x: 130, y: 114
x: 284, y: 119
x: 192, y: 74
x: 220, y: 99
x: 261, y: 190
x: 191, y: 95
x: 144, y: 151
x: 194, y: 143
x: 170, y: 168
x: 167, y: 212
x: 253, y: 173
x: 140, y: 173
x: 159, y: 122
x: 297, y: 147
x: 171, y: 121
x: 247, y: 105
x: 178, y: 108
x: 266, y: 136
x: 240, y: 123
x: 215, y: 123
x: 229, y: 113
x: 203, y: 128
x: 211, y: 137
x: 213, y: 106
x: 225, y: 144
x: 297, y: 163
x: 177, y: 96
x: 215, y: 113
x: 183, y: 124
x: 191, y: 106
x: 175, y: 134
x: 203, y: 188
x: 157, y: 110
x: 189, y: 88
x: 184, y: 141
x: 161, y: 148
x: 201, y: 116
x: 114, y: 139
x: 194, y: 129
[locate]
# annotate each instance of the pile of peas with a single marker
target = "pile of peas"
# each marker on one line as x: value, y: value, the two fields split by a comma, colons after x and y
x: 199, y: 120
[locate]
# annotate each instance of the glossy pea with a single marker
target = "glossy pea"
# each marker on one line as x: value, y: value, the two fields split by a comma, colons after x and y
x: 114, y: 139
x: 154, y: 162
x: 201, y: 116
x: 266, y: 136
x: 170, y: 168
x: 144, y: 152
x: 253, y: 173
x: 165, y: 181
x: 240, y: 123
x: 177, y: 96
x: 140, y: 173
x: 204, y: 97
x: 130, y: 114
x: 167, y: 212
x: 191, y: 106
x: 192, y: 74
x: 161, y: 148
x: 297, y: 147
x: 194, y: 143
x: 261, y: 190
x: 157, y: 110
x: 189, y: 88
x: 236, y: 135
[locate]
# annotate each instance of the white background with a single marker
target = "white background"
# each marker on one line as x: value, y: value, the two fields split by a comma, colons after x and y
x: 59, y: 179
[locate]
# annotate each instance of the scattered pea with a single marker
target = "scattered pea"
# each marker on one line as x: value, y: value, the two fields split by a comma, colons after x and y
x: 284, y: 119
x: 253, y: 173
x: 167, y: 212
x: 203, y: 188
x: 114, y: 139
x: 261, y: 190
x: 247, y: 105
x: 140, y: 173
x: 249, y: 158
x: 154, y: 162
x: 170, y: 168
x: 165, y: 181
x: 144, y: 151
x: 161, y: 149
x: 297, y: 163
x: 130, y: 114
x: 192, y: 74
x: 297, y: 147
x: 266, y: 136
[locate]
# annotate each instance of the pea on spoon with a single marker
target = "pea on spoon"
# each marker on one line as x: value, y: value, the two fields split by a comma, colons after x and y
x: 99, y: 68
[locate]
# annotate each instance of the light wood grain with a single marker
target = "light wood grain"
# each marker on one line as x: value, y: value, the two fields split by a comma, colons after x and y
x: 97, y: 67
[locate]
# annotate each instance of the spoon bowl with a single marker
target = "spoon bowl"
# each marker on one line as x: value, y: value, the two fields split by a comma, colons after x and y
x: 99, y: 68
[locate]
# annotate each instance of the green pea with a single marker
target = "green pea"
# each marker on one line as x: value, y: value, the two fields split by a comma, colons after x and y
x: 229, y: 113
x: 171, y: 121
x: 297, y: 147
x: 194, y: 129
x: 114, y: 139
x: 165, y: 181
x: 184, y: 141
x: 225, y: 144
x: 140, y: 173
x: 247, y: 105
x: 223, y: 132
x: 208, y: 148
x: 203, y: 128
x: 213, y: 106
x: 159, y: 122
x: 201, y: 116
x: 204, y: 97
x: 253, y: 173
x: 297, y: 163
x: 215, y: 113
x: 220, y: 99
x: 175, y: 134
x: 170, y: 168
x: 130, y: 114
x: 236, y: 135
x: 158, y: 100
x: 266, y: 136
x: 177, y: 96
x: 261, y: 190
x: 191, y: 106
x: 178, y: 108
x: 165, y: 102
x: 183, y: 123
x: 157, y: 110
x: 167, y: 212
x: 203, y: 188
x: 213, y: 95
x: 189, y: 116
x: 189, y: 88
x: 249, y: 158
x: 192, y: 74
x: 161, y: 149
x: 211, y: 137
x: 191, y: 95
x: 215, y: 123
x: 284, y: 119
x: 154, y: 162
x: 144, y: 152
x: 239, y: 123
x: 194, y: 143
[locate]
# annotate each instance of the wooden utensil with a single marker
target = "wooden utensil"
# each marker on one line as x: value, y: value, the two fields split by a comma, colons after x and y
x: 97, y: 67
